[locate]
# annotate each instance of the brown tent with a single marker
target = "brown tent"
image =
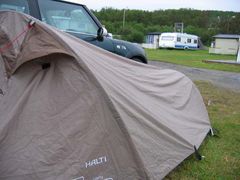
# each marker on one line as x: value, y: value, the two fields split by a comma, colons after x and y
x: 70, y: 110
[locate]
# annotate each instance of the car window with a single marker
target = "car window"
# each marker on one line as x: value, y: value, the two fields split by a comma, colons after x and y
x: 15, y: 5
x: 67, y: 17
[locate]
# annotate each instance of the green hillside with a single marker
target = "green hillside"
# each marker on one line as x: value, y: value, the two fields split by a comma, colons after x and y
x: 205, y: 24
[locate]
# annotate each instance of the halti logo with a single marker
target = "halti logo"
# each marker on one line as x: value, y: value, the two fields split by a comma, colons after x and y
x: 95, y: 162
x: 79, y: 178
x: 102, y: 178
x: 95, y: 178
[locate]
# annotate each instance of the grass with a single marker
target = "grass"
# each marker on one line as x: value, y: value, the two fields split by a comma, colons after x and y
x: 192, y: 58
x: 222, y: 154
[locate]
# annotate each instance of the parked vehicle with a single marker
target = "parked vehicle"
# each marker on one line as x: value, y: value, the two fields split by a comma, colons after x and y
x: 178, y: 41
x: 77, y: 20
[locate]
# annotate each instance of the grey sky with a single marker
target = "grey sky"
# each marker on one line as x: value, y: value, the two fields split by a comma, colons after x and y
x: 225, y: 5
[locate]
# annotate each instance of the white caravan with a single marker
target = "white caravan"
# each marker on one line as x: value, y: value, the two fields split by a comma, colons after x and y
x: 178, y: 41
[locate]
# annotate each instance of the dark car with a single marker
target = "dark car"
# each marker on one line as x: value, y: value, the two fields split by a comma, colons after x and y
x: 77, y: 20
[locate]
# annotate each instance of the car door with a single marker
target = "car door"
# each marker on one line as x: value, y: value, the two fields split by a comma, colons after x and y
x: 105, y: 43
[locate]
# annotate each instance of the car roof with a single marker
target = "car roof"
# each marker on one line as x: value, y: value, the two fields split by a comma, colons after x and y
x: 72, y: 1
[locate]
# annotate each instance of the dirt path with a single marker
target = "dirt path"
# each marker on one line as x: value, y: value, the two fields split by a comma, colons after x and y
x: 222, y: 79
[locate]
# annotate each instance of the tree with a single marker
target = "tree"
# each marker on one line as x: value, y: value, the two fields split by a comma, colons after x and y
x: 138, y: 23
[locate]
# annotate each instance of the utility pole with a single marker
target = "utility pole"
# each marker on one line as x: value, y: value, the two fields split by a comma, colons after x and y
x: 238, y: 55
x: 124, y: 16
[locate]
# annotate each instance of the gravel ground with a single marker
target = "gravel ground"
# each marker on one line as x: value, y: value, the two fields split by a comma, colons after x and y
x: 228, y: 80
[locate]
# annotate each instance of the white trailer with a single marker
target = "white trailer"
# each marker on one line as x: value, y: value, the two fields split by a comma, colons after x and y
x: 178, y: 41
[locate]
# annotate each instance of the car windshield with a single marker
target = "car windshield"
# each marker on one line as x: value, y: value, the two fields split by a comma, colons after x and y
x: 67, y: 17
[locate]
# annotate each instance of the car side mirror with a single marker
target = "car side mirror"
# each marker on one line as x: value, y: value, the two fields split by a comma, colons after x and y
x: 100, y: 34
x: 105, y: 32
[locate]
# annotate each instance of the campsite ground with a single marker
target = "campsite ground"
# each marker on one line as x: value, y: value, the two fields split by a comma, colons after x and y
x: 222, y: 155
x: 227, y: 80
x: 192, y: 58
x: 221, y: 94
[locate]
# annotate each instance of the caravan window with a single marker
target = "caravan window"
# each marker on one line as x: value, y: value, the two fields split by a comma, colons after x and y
x: 189, y: 40
x: 195, y: 41
x: 167, y: 38
x: 178, y: 39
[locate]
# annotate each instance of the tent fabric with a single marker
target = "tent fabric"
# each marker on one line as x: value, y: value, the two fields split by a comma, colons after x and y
x: 91, y: 114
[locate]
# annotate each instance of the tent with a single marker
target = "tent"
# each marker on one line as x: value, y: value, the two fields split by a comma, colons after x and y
x: 70, y: 110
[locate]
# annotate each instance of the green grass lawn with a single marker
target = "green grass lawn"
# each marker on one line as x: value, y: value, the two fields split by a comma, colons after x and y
x: 192, y: 58
x: 222, y: 154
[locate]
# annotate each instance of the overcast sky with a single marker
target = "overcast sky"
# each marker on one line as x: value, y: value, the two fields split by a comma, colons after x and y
x: 225, y: 5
